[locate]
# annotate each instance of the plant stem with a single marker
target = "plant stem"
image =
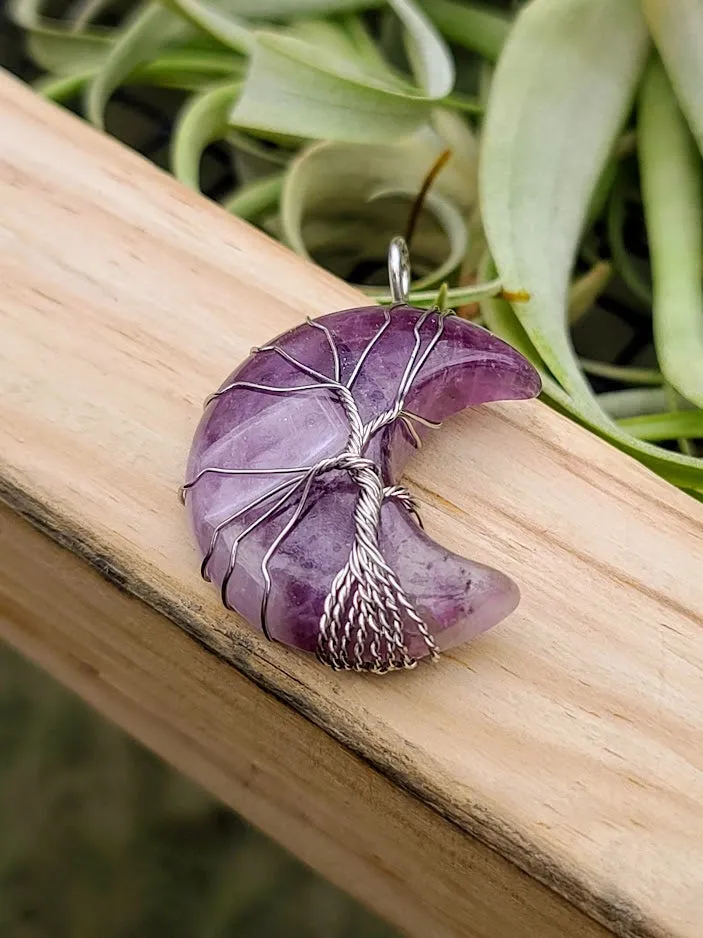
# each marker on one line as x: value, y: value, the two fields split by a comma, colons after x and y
x: 623, y: 373
x: 457, y: 296
x: 672, y: 425
x: 477, y: 28
x: 586, y: 289
x: 622, y: 261
x: 633, y: 402
x: 676, y: 402
x: 251, y: 201
x: 463, y: 102
x: 419, y: 201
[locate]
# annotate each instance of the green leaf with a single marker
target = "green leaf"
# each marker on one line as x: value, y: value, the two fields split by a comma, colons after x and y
x: 253, y: 200
x: 53, y: 46
x: 501, y: 320
x: 475, y: 27
x: 186, y: 69
x: 624, y: 264
x: 290, y: 9
x: 29, y: 14
x: 429, y: 56
x: 560, y: 94
x: 623, y: 373
x: 600, y: 194
x: 450, y: 299
x: 335, y: 42
x: 147, y: 31
x: 676, y: 403
x: 677, y: 28
x: 321, y: 217
x: 217, y: 20
x: 82, y: 14
x: 670, y: 169
x: 587, y: 288
x: 463, y: 102
x: 65, y: 53
x: 309, y: 89
x: 672, y: 425
x: 684, y: 471
x: 252, y: 159
x: 366, y: 48
x: 200, y: 123
x: 181, y: 69
x: 63, y: 88
x: 289, y: 90
x: 633, y: 402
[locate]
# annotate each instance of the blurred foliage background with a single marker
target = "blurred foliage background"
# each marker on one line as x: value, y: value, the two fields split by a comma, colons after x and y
x: 96, y: 836
x: 334, y: 125
x: 100, y: 838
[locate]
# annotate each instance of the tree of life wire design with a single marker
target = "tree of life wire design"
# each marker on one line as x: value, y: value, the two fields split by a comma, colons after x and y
x: 362, y: 624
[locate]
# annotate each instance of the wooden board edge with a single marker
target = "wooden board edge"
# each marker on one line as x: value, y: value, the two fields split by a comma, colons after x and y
x: 61, y: 613
x: 601, y: 910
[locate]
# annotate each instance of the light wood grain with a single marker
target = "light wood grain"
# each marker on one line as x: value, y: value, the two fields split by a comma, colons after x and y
x: 261, y: 757
x: 569, y: 739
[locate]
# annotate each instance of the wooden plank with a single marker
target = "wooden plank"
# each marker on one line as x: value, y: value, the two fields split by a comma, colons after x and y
x: 569, y: 739
x: 258, y: 755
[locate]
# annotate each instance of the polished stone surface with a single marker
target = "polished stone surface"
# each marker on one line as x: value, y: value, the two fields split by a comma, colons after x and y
x: 246, y: 428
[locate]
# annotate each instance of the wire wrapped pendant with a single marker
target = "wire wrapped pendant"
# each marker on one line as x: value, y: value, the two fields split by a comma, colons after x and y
x: 293, y: 485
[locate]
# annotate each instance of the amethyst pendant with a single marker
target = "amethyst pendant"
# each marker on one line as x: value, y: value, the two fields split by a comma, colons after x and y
x: 293, y: 485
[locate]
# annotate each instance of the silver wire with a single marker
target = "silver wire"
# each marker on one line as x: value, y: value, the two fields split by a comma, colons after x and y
x: 366, y: 613
x: 238, y: 514
x: 369, y: 348
x: 399, y: 271
x: 330, y: 342
x: 271, y: 389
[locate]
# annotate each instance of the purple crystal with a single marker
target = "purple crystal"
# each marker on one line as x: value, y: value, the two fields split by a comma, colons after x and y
x: 247, y: 428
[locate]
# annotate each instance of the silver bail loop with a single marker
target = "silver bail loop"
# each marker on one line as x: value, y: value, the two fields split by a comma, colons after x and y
x: 399, y: 271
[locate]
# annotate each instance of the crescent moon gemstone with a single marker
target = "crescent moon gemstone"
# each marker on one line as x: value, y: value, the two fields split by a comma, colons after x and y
x: 293, y: 485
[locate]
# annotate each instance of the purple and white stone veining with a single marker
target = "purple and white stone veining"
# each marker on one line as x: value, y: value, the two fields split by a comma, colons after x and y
x: 299, y: 448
